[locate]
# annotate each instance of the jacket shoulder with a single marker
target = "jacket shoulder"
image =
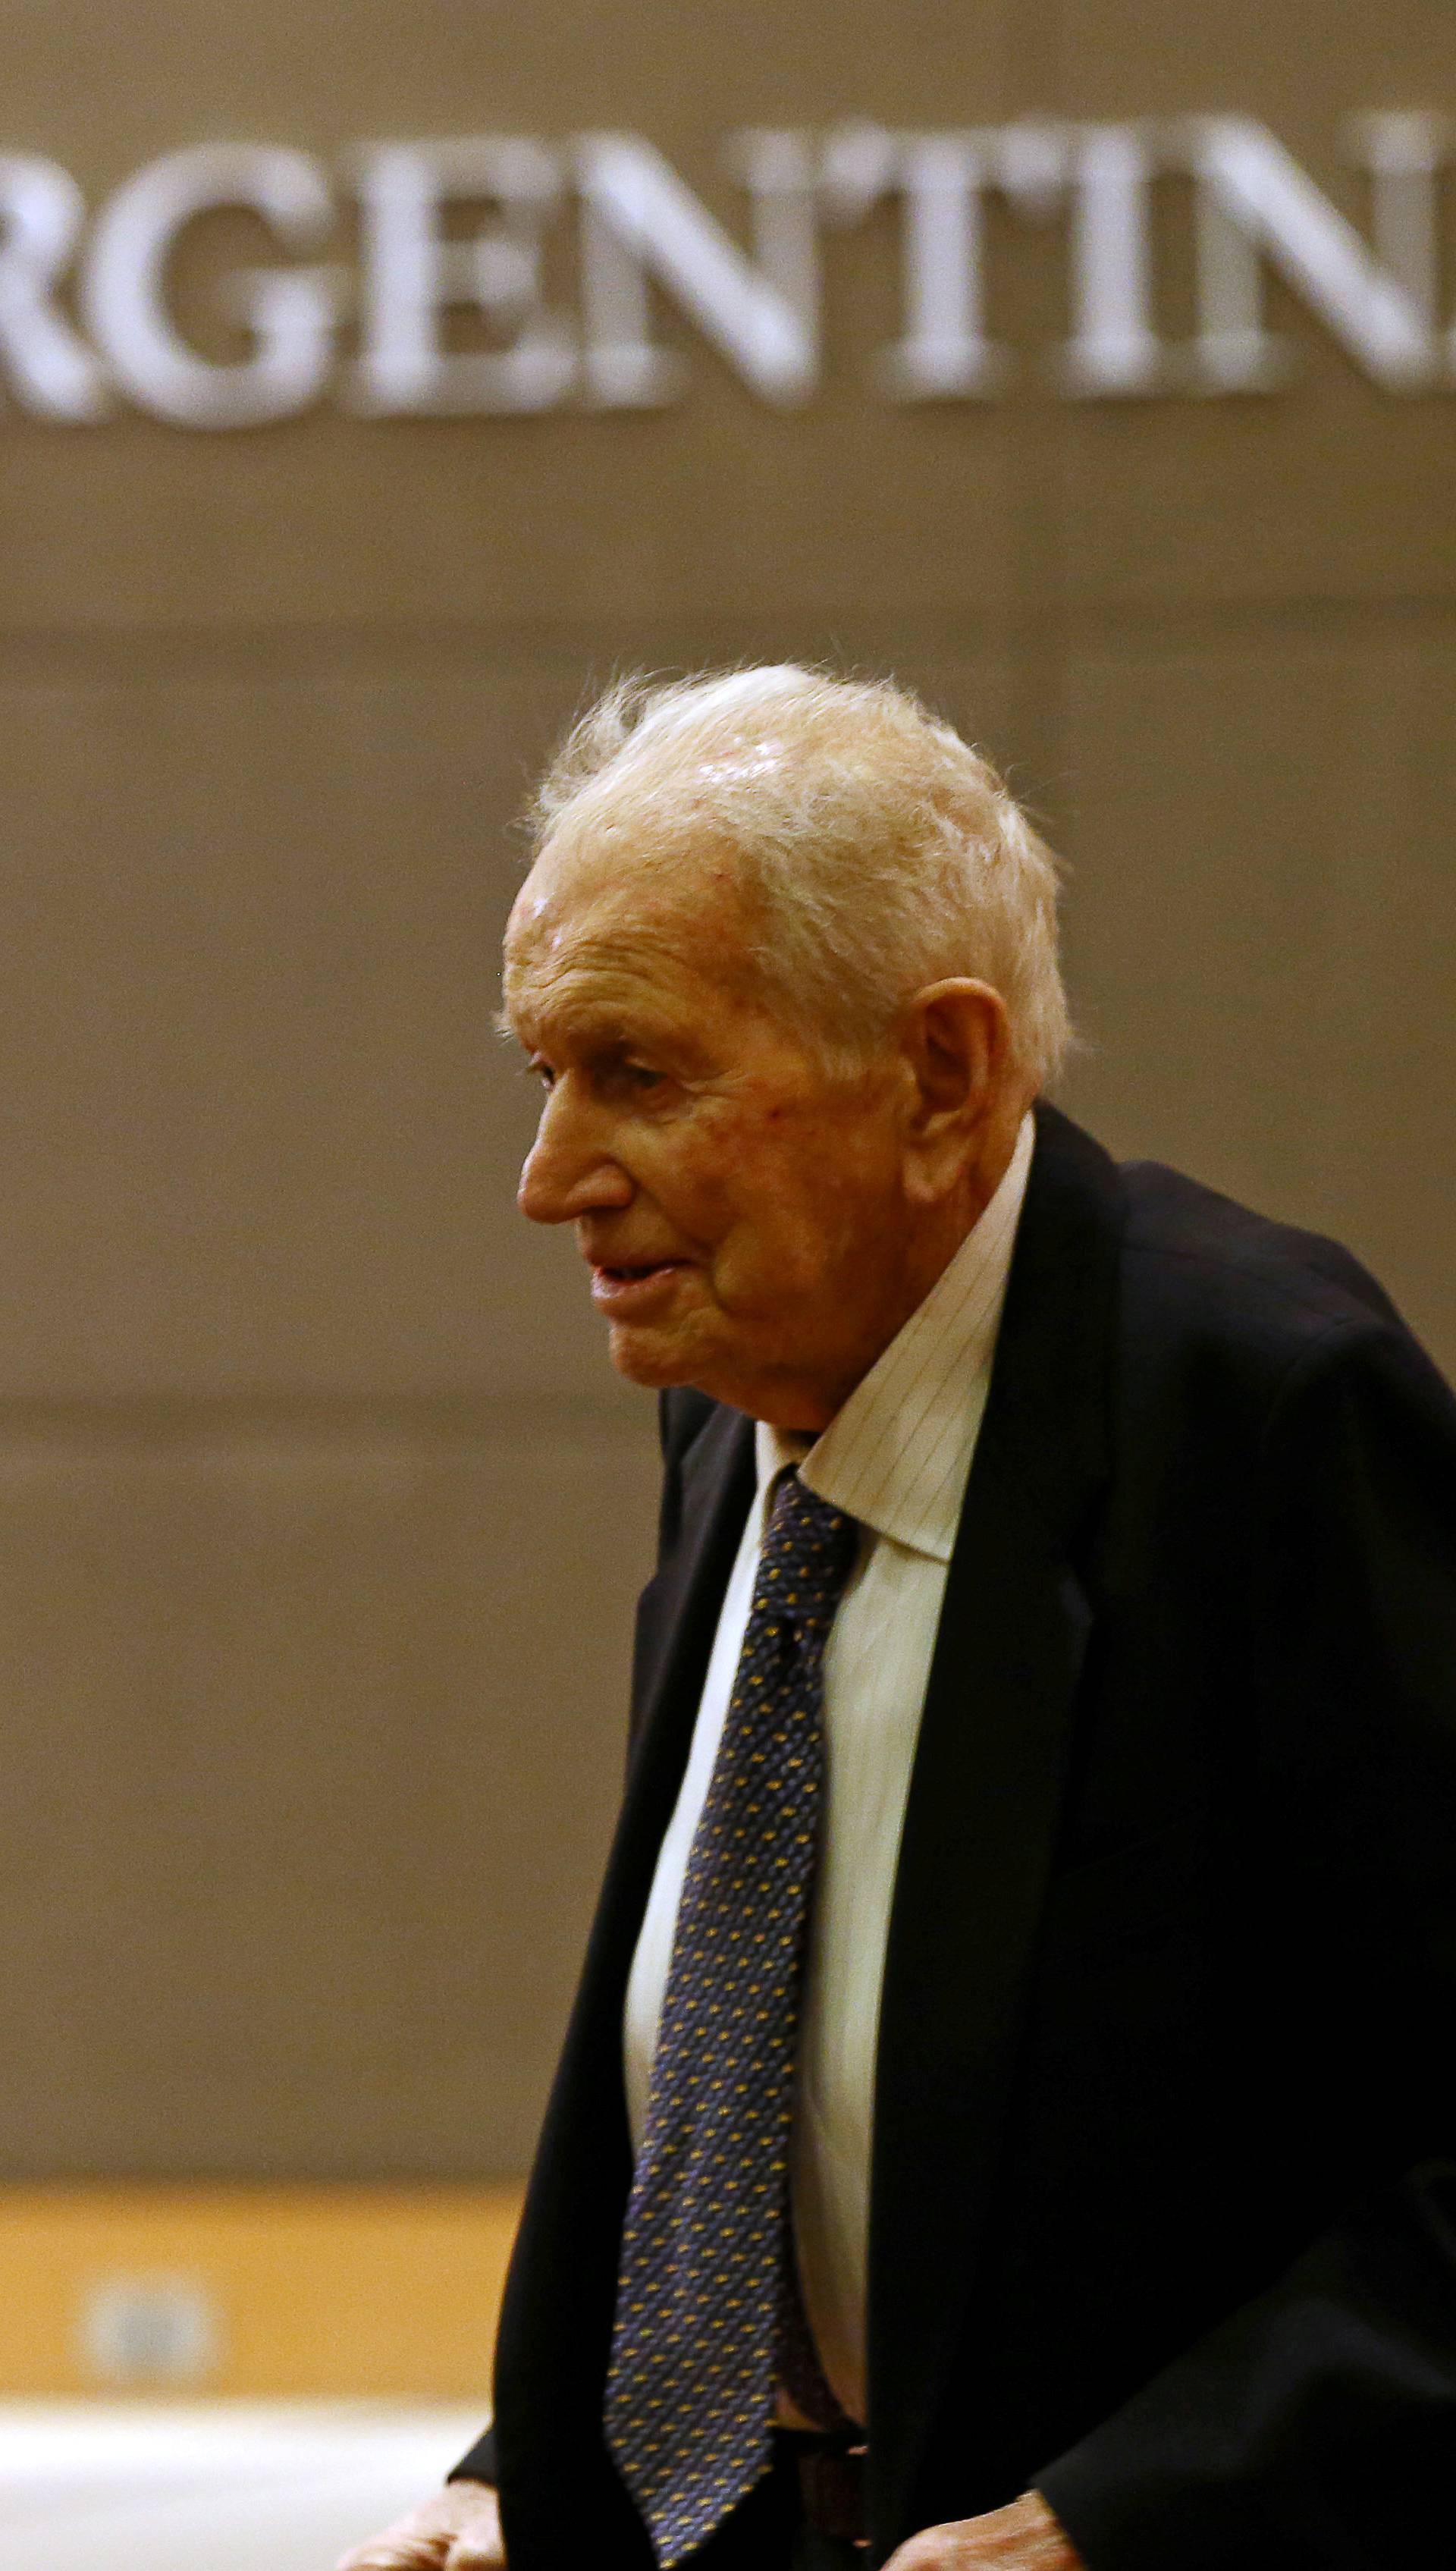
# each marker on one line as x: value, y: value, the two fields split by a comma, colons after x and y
x: 1217, y: 1265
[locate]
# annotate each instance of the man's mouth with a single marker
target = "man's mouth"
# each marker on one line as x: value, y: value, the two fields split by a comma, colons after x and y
x: 622, y: 1285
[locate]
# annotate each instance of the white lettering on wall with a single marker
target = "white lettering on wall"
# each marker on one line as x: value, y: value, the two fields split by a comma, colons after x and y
x: 413, y: 276
x: 946, y: 352
x: 50, y: 369
x: 1256, y: 203
x: 641, y: 224
x: 1403, y: 154
x: 1113, y: 345
x: 474, y: 227
x: 289, y: 311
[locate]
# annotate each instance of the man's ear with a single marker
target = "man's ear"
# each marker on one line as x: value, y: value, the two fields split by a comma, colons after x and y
x: 957, y: 1050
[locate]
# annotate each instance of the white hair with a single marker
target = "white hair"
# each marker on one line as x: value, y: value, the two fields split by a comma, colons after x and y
x: 876, y: 851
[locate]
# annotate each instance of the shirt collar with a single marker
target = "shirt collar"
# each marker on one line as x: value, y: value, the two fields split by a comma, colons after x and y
x: 898, y: 1455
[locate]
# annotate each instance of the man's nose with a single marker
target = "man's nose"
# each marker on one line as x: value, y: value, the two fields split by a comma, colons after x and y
x: 569, y: 1170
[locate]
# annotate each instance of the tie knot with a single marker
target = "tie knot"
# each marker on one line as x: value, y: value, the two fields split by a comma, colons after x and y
x: 809, y: 1551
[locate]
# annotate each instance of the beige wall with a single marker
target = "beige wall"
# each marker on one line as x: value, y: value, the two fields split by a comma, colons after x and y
x: 319, y: 1518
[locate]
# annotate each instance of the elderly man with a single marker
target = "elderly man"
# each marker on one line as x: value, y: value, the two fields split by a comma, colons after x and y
x: 1007, y: 2114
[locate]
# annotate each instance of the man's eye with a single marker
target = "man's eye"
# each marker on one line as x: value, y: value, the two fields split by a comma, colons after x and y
x: 641, y: 1077
x: 543, y: 1072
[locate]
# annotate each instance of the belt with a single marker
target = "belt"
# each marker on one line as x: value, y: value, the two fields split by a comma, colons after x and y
x: 830, y: 2475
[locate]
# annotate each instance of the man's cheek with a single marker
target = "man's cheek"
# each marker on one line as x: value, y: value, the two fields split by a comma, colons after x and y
x: 751, y: 1279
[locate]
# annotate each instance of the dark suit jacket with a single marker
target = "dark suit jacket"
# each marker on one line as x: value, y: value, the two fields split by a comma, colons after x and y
x: 1164, y: 2197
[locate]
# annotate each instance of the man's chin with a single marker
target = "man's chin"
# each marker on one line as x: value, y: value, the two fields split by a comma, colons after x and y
x: 658, y: 1365
x: 651, y: 1358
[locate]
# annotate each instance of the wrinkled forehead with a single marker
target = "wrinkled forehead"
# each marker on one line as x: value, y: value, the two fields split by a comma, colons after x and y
x: 607, y: 888
x: 598, y: 903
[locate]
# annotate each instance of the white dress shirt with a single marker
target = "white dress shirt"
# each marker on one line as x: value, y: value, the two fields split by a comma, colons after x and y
x: 896, y: 1458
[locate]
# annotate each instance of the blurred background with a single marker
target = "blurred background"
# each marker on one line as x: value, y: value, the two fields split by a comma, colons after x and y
x: 373, y: 384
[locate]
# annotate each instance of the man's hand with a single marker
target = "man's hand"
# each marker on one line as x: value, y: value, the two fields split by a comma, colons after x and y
x: 1023, y: 2537
x: 459, y: 2530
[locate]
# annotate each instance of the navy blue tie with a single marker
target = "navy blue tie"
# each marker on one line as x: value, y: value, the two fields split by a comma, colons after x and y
x: 707, y: 2306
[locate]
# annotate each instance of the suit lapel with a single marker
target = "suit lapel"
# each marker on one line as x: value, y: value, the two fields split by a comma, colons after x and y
x: 556, y: 2322
x: 985, y: 1799
x: 677, y: 1619
x: 679, y: 1612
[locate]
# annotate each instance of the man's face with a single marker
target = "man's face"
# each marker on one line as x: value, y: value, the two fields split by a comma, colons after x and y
x: 740, y: 1211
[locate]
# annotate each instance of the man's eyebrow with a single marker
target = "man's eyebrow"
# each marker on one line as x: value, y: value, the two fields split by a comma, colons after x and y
x: 604, y: 1035
x: 614, y: 1042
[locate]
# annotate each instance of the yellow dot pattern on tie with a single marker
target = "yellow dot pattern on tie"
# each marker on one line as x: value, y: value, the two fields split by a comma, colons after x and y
x: 699, y: 2321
